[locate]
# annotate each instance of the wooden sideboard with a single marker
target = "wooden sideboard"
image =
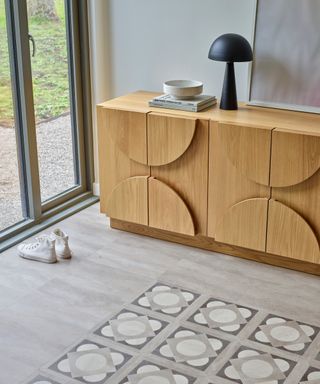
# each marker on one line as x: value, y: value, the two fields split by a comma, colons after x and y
x: 245, y: 182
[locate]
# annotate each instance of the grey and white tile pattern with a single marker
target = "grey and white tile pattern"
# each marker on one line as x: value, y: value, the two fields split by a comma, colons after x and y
x: 223, y: 316
x: 131, y: 328
x: 288, y: 335
x: 166, y: 299
x: 172, y: 335
x: 188, y: 347
x: 250, y: 366
x: 90, y: 362
x: 149, y: 372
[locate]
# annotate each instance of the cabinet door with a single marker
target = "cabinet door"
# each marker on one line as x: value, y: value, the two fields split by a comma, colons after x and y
x: 114, y: 164
x: 128, y: 200
x: 295, y: 157
x: 167, y: 210
x: 128, y: 130
x: 244, y: 224
x: 239, y: 162
x: 188, y: 174
x: 290, y: 235
x: 295, y: 174
x: 168, y: 137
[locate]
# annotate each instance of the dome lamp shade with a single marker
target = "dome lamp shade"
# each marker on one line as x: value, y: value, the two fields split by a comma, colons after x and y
x: 230, y: 48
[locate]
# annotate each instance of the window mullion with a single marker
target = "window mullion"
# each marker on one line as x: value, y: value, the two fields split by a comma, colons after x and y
x: 24, y: 105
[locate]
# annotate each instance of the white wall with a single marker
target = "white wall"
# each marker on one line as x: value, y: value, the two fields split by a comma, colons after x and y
x: 138, y: 44
x: 156, y: 40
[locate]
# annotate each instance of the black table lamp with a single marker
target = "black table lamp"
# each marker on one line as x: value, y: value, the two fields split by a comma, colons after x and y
x: 230, y: 48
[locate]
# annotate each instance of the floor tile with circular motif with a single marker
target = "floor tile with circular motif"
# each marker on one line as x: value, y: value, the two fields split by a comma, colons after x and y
x: 191, y: 348
x: 249, y: 366
x: 223, y: 316
x: 166, y: 299
x: 90, y: 362
x: 150, y: 373
x: 131, y: 328
x: 289, y: 335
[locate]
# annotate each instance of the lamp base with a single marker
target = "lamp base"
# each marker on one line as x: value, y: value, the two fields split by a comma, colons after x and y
x: 229, y: 92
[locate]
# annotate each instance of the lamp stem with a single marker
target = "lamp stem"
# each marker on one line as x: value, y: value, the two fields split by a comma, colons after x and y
x: 229, y: 92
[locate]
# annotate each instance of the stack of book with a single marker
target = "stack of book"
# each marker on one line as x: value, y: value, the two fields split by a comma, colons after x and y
x: 196, y: 104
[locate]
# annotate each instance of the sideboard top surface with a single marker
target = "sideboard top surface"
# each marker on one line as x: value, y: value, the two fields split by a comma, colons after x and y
x: 306, y: 123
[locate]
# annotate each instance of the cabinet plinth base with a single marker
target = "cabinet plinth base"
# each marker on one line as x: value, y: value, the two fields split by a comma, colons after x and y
x: 211, y: 245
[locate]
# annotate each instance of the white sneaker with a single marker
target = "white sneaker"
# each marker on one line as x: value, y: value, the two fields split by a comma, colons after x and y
x: 62, y: 244
x: 41, y: 250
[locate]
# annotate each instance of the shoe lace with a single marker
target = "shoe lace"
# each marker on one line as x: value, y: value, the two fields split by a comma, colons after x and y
x: 37, y: 242
x: 33, y: 245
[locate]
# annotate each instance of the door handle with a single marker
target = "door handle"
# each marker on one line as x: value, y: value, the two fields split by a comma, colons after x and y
x: 30, y: 37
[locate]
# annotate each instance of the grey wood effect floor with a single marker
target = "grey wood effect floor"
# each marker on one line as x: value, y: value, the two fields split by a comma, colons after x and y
x: 45, y: 308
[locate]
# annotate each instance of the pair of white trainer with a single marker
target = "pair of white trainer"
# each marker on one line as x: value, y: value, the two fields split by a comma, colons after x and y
x: 47, y: 248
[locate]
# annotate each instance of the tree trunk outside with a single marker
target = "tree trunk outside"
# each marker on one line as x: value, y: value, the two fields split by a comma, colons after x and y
x: 42, y: 8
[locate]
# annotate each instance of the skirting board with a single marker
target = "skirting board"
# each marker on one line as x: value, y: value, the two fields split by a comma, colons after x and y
x: 96, y: 189
x: 211, y: 245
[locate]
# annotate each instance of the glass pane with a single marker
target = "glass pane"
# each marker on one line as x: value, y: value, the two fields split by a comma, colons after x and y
x: 11, y: 206
x: 51, y: 86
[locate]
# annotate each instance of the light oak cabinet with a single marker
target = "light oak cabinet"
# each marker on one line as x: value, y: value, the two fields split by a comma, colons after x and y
x: 243, y: 182
x: 173, y: 150
x: 264, y: 190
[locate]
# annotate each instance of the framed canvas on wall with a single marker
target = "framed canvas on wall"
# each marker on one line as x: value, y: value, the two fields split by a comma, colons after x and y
x: 285, y: 72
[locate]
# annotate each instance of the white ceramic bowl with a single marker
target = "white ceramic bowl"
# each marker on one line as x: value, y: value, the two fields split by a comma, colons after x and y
x: 183, y: 89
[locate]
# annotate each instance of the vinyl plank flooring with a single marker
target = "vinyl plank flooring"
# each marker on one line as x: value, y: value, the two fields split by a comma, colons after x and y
x: 46, y: 308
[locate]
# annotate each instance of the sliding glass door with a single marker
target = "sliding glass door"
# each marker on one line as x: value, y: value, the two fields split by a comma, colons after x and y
x: 44, y: 109
x: 12, y: 206
x: 52, y: 83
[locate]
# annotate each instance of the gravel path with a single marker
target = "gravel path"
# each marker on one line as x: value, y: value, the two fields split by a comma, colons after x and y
x: 55, y: 155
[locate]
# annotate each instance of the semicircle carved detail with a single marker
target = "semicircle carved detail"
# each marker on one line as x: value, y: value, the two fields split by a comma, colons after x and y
x: 295, y: 158
x: 128, y: 200
x: 167, y: 210
x: 244, y: 224
x: 128, y: 131
x: 248, y: 149
x: 290, y: 235
x: 168, y: 137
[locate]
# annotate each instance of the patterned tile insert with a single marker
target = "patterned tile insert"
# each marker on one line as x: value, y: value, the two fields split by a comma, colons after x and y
x: 186, y: 350
x: 131, y: 328
x: 165, y: 299
x: 147, y: 373
x: 90, y: 362
x: 288, y: 335
x: 312, y: 376
x: 249, y: 366
x: 194, y: 349
x: 222, y: 315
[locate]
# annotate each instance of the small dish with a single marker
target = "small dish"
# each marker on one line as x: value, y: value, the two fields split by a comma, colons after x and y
x: 183, y: 89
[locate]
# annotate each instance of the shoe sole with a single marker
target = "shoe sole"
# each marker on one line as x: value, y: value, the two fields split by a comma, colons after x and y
x: 35, y: 258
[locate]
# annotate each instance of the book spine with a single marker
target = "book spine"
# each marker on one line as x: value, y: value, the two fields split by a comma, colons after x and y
x: 173, y: 102
x: 188, y: 108
x: 184, y: 103
x: 182, y: 107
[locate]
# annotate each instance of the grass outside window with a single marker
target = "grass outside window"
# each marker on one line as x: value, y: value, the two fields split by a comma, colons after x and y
x: 49, y: 67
